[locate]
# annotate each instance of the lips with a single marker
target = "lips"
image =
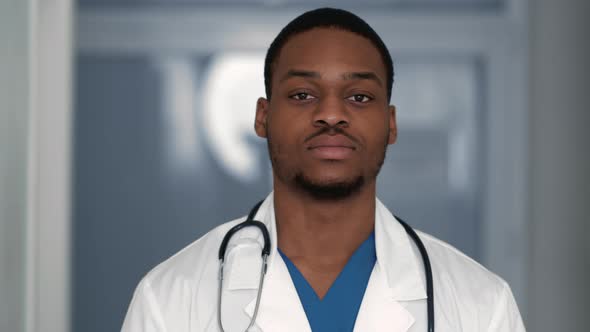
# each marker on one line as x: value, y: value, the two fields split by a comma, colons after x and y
x: 336, y: 147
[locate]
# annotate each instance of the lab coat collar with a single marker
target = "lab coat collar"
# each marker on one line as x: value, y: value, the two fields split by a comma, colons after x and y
x: 396, y: 277
x: 396, y: 257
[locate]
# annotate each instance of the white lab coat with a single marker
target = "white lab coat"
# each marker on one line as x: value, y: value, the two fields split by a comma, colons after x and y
x: 180, y: 295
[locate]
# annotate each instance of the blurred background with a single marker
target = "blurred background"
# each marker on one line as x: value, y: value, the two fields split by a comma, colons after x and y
x: 126, y: 132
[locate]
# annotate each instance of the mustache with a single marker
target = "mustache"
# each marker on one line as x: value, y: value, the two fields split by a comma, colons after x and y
x: 332, y: 130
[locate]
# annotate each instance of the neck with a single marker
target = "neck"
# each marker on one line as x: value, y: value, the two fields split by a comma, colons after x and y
x: 323, y: 231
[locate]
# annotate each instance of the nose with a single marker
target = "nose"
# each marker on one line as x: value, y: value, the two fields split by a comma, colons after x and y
x: 331, y: 112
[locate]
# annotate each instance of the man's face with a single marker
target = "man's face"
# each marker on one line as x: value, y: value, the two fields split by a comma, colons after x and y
x: 328, y: 122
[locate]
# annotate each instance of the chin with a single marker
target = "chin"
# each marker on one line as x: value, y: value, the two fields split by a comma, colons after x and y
x: 330, y: 188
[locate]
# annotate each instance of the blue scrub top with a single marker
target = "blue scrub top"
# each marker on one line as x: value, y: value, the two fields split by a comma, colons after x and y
x: 337, y: 311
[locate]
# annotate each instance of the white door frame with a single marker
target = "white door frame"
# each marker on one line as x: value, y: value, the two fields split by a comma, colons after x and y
x: 49, y: 167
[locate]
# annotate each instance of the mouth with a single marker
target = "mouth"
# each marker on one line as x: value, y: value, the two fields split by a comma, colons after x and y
x: 335, y: 147
x: 332, y: 152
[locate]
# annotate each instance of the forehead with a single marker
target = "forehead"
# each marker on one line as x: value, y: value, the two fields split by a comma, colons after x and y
x: 323, y: 48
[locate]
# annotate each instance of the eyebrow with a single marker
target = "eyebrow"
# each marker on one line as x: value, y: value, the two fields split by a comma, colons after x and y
x: 300, y: 73
x: 366, y: 75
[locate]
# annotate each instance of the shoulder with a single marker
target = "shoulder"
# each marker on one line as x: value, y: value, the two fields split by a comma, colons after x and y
x: 177, y: 281
x: 451, y: 262
x: 166, y: 294
x: 188, y: 263
x: 467, y: 289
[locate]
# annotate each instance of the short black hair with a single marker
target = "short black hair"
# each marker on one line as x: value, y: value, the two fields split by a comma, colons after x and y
x: 326, y: 18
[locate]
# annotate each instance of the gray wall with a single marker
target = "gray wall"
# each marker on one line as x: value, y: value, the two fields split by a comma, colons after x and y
x: 14, y: 105
x: 560, y: 165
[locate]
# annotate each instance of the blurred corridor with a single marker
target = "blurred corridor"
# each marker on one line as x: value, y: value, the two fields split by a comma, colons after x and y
x: 138, y: 138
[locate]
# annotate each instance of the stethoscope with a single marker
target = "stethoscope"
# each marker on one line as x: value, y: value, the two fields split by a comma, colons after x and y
x: 266, y: 252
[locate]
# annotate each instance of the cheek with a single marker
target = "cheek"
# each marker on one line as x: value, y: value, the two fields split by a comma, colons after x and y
x: 286, y: 131
x: 376, y: 132
x: 280, y: 142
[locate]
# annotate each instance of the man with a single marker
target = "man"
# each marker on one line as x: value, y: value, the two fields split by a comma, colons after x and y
x: 339, y: 260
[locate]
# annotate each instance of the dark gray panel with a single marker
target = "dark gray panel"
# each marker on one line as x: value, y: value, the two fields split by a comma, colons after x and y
x: 131, y: 210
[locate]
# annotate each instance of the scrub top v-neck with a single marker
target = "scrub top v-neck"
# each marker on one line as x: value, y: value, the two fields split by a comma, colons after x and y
x: 337, y: 311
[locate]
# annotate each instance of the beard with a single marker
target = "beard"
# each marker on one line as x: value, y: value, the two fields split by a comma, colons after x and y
x: 330, y: 190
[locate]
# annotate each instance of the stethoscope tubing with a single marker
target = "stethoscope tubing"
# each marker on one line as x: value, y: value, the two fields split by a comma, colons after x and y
x: 427, y: 272
x: 250, y: 222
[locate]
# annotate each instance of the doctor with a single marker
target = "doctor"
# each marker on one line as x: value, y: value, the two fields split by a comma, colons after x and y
x: 339, y: 260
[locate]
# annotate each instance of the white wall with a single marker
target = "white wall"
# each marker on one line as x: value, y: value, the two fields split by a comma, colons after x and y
x: 560, y: 166
x: 35, y: 67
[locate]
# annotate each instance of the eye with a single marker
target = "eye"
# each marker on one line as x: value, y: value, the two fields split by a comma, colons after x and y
x: 301, y: 96
x: 360, y: 98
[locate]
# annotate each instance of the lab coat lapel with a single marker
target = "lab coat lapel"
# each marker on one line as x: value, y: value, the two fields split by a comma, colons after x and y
x: 396, y: 278
x: 380, y: 312
x: 280, y: 308
x: 401, y: 264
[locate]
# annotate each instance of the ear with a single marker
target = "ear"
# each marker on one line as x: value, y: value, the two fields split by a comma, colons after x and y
x: 392, y: 125
x: 262, y: 107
